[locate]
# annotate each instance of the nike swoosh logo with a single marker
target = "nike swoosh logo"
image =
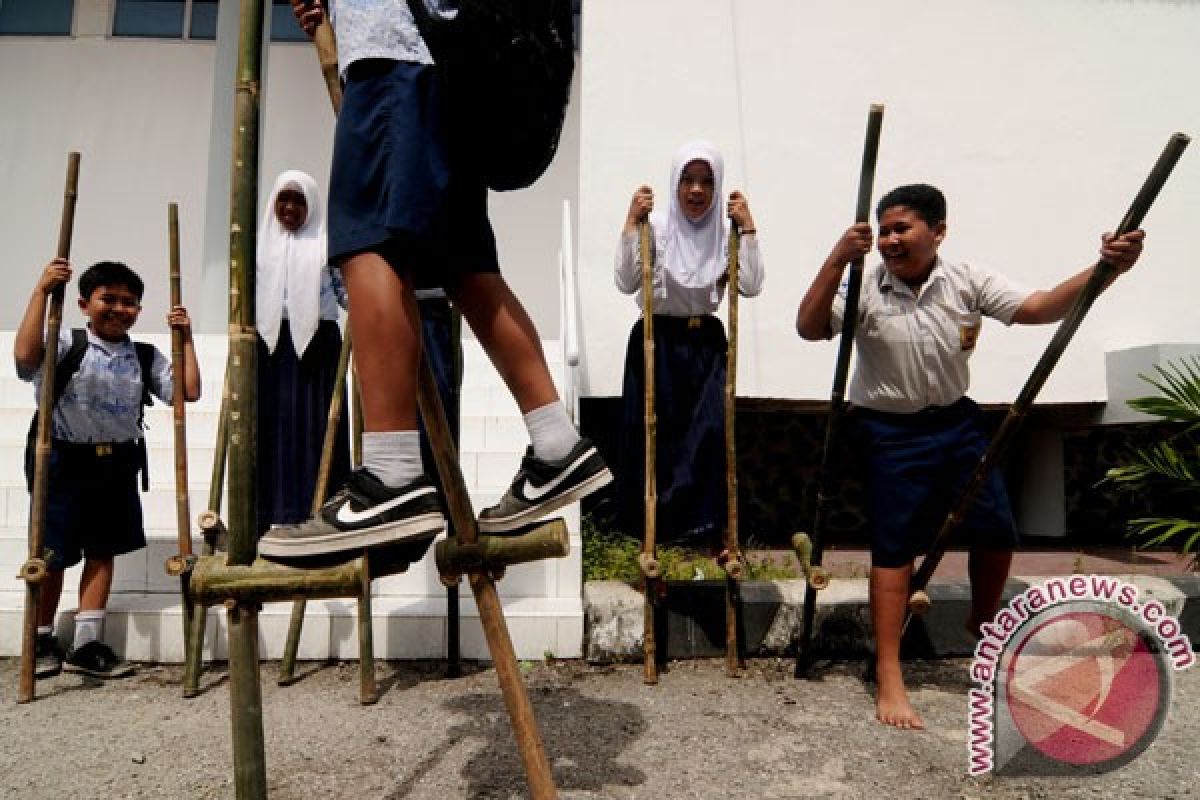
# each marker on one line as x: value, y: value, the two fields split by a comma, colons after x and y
x: 349, y: 516
x: 535, y: 493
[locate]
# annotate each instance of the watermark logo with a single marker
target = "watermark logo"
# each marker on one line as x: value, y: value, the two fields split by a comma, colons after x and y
x: 1074, y: 675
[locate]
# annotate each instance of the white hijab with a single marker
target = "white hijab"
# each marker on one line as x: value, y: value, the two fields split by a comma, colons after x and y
x: 694, y: 250
x: 290, y: 264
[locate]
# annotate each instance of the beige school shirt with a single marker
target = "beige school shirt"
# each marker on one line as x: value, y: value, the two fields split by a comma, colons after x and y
x: 912, y: 348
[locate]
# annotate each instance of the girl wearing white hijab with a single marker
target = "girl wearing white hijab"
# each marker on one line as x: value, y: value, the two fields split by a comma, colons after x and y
x: 297, y: 297
x: 689, y: 259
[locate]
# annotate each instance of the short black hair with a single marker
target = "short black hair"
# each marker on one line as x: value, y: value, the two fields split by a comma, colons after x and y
x: 926, y: 201
x: 109, y: 273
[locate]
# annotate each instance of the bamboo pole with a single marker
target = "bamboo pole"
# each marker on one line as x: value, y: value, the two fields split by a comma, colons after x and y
x: 216, y: 580
x: 34, y: 569
x: 245, y: 691
x: 183, y: 514
x: 1102, y: 273
x: 326, y: 45
x: 287, y: 666
x: 732, y: 561
x: 453, y: 616
x: 491, y: 613
x: 647, y: 561
x: 327, y: 55
x: 491, y: 553
x: 194, y: 645
x: 837, y: 402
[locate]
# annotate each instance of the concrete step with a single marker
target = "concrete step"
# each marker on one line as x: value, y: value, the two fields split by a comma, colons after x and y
x: 149, y: 627
x: 772, y: 613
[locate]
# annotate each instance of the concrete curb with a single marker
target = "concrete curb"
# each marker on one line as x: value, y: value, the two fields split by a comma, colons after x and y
x: 692, y: 624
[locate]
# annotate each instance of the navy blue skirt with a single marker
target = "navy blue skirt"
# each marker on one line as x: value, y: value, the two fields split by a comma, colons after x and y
x: 689, y: 370
x: 293, y: 409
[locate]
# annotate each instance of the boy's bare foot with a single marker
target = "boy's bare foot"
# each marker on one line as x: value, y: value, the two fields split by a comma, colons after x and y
x: 891, y: 704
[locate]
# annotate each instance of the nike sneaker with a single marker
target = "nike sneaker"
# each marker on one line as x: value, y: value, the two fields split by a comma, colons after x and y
x: 544, y: 486
x: 363, y: 514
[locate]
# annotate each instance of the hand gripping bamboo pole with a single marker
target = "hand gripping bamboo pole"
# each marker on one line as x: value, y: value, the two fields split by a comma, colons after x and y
x: 918, y: 601
x: 816, y: 577
x: 491, y: 613
x: 647, y: 560
x: 731, y: 560
x: 33, y: 571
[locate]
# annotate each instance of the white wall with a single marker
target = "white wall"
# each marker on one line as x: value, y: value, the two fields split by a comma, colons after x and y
x: 1038, y: 118
x: 140, y: 112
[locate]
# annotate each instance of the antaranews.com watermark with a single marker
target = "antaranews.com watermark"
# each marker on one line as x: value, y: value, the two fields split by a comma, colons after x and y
x: 1074, y: 675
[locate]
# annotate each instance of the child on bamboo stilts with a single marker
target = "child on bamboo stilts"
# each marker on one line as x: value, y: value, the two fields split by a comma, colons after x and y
x: 93, y: 511
x: 919, y: 317
x: 689, y: 243
x: 407, y: 209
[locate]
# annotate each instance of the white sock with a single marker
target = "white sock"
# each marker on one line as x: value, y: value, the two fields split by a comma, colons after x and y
x: 45, y: 630
x: 88, y: 627
x: 394, y: 457
x: 551, y: 431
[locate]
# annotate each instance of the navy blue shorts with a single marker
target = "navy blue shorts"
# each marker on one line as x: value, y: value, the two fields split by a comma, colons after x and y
x: 92, y: 505
x: 917, y: 464
x: 396, y: 188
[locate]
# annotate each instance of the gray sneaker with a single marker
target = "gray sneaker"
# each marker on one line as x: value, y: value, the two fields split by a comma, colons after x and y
x: 544, y: 486
x: 49, y: 656
x: 363, y: 514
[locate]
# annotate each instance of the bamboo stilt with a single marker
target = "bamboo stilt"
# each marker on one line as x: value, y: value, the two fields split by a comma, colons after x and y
x: 732, y: 557
x: 183, y: 514
x: 491, y: 613
x: 647, y: 561
x: 198, y: 616
x: 490, y: 553
x: 326, y: 45
x: 368, y: 690
x: 245, y: 692
x: 35, y: 568
x: 287, y: 666
x: 1102, y: 273
x: 837, y: 402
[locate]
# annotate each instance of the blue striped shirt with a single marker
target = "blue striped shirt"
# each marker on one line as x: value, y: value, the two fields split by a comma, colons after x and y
x: 103, y: 400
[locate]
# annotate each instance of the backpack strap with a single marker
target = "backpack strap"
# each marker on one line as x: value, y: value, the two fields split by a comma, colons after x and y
x: 69, y: 364
x: 145, y: 357
x: 66, y: 368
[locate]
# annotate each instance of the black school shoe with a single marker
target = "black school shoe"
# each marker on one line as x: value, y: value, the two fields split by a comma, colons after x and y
x: 365, y: 513
x: 544, y: 486
x: 97, y: 660
x: 48, y: 656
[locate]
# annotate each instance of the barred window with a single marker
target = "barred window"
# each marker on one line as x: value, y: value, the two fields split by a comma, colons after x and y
x: 191, y: 19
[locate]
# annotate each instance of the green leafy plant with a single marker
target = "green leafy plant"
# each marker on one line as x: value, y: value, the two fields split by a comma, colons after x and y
x: 1169, y: 468
x: 613, y: 556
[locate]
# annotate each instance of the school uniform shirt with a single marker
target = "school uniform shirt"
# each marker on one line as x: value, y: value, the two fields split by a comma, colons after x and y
x: 671, y: 297
x: 381, y: 29
x: 913, y: 347
x: 103, y: 400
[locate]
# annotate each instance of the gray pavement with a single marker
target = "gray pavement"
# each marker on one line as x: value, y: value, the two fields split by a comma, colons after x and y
x: 697, y: 734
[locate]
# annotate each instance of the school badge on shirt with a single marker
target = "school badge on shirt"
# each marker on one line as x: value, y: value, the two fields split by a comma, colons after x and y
x: 968, y: 335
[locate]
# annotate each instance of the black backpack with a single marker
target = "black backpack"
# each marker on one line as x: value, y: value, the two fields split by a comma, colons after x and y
x: 505, y: 69
x: 68, y: 365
